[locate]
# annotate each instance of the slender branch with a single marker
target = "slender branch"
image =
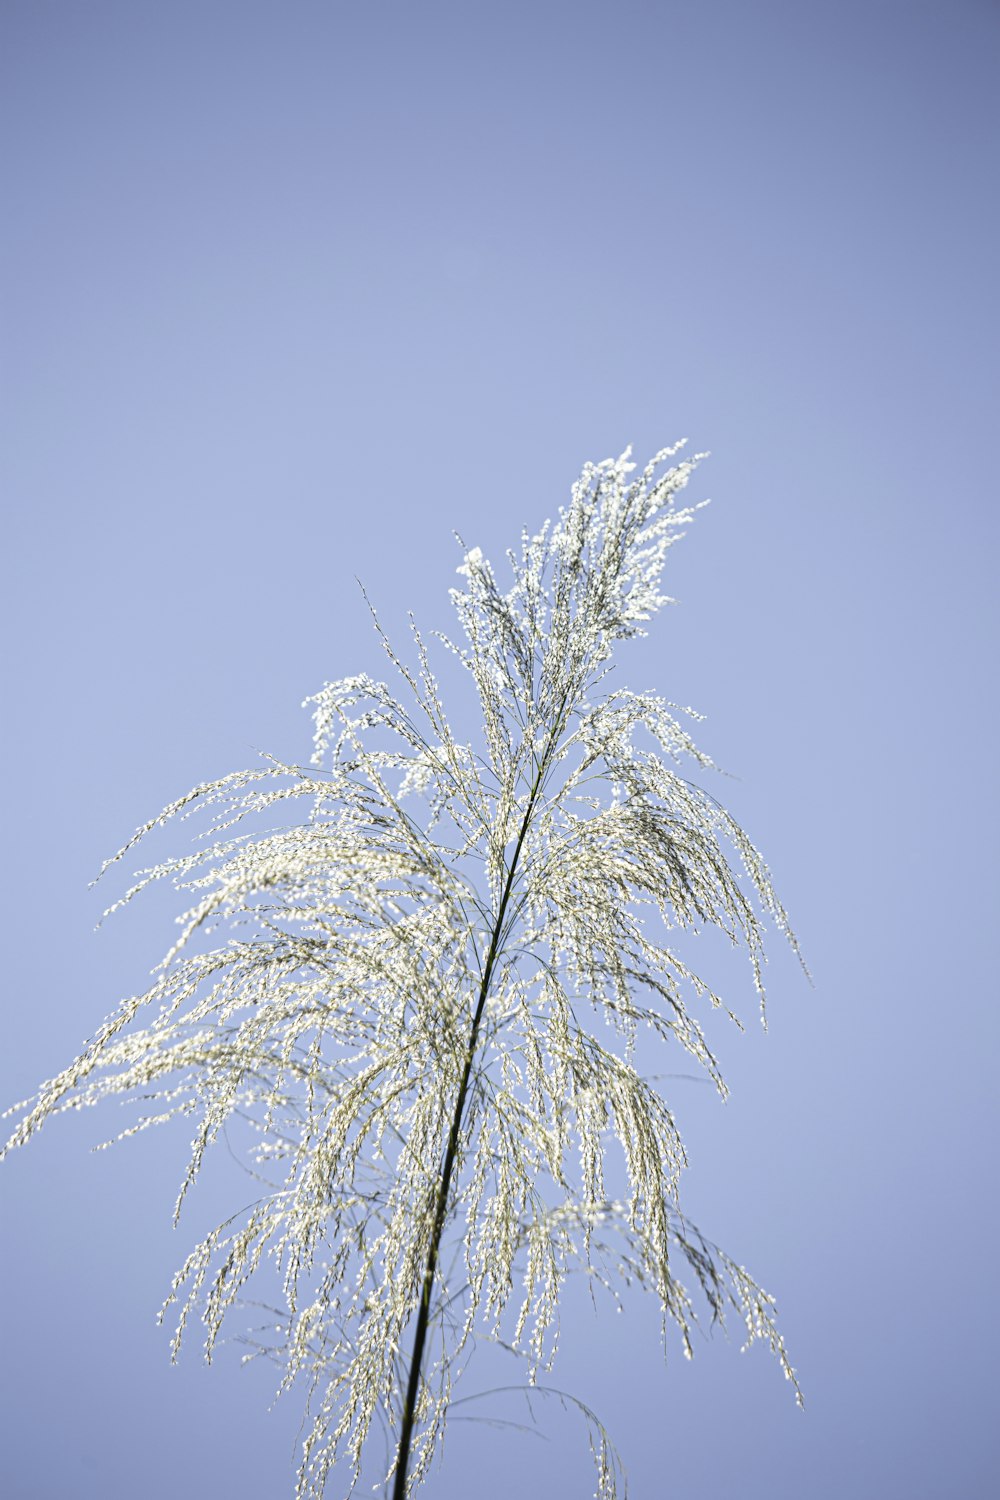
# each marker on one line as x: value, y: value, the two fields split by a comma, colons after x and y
x: 454, y: 1135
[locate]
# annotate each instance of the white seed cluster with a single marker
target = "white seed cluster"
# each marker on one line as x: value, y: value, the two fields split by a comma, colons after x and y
x: 381, y: 985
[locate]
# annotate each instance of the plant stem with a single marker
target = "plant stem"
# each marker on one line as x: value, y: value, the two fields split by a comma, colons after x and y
x: 451, y: 1154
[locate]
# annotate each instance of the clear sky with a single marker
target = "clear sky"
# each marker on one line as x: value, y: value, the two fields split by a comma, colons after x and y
x: 293, y: 291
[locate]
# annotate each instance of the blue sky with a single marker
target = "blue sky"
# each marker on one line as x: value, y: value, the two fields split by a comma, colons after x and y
x: 293, y: 292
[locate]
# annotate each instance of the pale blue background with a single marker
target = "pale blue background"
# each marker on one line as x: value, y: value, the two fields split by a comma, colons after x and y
x: 292, y: 290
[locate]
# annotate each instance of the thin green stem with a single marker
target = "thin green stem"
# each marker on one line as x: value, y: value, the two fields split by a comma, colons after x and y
x: 454, y: 1136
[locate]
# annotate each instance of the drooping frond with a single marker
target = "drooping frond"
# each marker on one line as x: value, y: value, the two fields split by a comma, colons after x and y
x: 429, y: 1024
